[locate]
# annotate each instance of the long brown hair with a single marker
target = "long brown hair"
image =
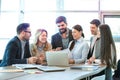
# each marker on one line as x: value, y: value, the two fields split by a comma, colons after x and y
x: 106, y: 42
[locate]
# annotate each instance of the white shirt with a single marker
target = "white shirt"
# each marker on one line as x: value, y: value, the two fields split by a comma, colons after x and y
x: 80, y: 51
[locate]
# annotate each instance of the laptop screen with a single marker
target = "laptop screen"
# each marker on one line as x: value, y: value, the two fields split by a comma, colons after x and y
x: 57, y: 58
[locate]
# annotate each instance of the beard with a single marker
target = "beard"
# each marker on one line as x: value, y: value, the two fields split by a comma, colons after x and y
x: 62, y: 30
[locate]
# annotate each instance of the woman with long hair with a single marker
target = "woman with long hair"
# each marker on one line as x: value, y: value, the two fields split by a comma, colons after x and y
x: 108, y: 50
x: 78, y: 47
x: 40, y: 45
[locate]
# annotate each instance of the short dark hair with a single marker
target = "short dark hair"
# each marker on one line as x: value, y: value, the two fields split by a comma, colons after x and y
x: 60, y: 19
x: 22, y: 27
x: 96, y: 22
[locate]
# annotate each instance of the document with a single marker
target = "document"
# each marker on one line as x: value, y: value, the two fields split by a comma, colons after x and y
x: 40, y: 67
x: 11, y: 70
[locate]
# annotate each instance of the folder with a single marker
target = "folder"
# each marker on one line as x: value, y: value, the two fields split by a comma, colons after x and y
x: 85, y: 67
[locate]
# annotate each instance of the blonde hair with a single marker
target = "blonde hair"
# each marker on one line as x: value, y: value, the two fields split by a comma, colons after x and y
x: 34, y: 46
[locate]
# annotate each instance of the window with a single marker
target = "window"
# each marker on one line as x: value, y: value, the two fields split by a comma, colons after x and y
x: 43, y: 13
x: 39, y: 5
x: 84, y: 5
x: 113, y: 19
x: 9, y: 5
x: 110, y: 5
x: 41, y: 20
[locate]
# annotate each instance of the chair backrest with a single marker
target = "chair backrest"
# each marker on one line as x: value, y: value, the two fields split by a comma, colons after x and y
x: 117, y: 72
x: 102, y: 77
x: 0, y: 61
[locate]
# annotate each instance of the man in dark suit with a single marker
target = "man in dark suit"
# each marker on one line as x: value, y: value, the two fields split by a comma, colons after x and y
x: 17, y: 50
x: 61, y: 39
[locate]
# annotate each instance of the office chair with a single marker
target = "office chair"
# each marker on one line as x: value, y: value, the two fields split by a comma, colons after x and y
x: 0, y: 61
x: 102, y: 77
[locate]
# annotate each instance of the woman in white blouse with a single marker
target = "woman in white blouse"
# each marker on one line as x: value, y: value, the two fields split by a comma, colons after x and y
x: 78, y: 47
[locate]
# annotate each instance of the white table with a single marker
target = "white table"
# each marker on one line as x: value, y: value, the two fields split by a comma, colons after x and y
x: 68, y: 74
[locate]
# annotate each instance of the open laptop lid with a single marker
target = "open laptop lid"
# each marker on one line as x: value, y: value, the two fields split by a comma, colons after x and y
x: 57, y: 58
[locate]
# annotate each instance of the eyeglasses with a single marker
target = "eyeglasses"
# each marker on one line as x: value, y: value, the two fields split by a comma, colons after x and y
x: 60, y: 25
x: 28, y: 32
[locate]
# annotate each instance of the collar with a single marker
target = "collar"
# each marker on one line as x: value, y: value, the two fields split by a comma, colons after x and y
x: 79, y: 40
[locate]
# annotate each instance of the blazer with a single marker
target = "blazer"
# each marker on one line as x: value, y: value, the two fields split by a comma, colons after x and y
x: 13, y: 53
x: 57, y: 40
x: 96, y: 49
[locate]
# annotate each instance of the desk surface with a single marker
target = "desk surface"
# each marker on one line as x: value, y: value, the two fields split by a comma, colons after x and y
x: 68, y: 74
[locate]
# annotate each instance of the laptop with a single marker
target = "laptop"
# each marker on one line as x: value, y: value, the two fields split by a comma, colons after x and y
x: 50, y: 68
x: 57, y: 58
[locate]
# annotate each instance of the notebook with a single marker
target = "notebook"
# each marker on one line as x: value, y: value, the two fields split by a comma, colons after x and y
x: 40, y: 67
x: 11, y: 70
x: 57, y: 58
x: 25, y: 66
x: 85, y: 67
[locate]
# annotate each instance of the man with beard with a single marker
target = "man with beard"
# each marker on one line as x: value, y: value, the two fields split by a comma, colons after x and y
x: 61, y: 39
x: 17, y: 50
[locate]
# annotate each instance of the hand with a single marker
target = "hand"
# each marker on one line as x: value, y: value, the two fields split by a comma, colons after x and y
x: 41, y: 58
x: 58, y: 48
x: 71, y: 61
x: 32, y: 60
x: 91, y: 60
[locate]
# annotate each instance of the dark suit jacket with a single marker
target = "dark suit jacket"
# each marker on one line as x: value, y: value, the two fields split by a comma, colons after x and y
x: 13, y: 53
x: 57, y: 40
